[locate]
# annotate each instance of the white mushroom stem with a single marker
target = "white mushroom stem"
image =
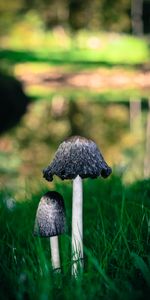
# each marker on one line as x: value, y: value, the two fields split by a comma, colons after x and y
x: 55, y: 257
x: 77, y: 226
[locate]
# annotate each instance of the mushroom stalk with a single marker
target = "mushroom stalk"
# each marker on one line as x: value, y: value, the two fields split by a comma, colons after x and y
x: 55, y: 257
x: 77, y: 226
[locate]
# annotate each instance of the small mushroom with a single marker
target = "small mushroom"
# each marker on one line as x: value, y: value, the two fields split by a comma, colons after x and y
x: 50, y: 222
x: 77, y: 158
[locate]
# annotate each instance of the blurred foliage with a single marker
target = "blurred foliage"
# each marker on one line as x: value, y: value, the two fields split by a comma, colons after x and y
x: 61, y: 110
x: 28, y: 148
x: 109, y: 15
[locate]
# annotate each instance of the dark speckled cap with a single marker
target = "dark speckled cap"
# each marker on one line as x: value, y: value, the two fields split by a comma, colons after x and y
x: 50, y: 217
x: 77, y: 156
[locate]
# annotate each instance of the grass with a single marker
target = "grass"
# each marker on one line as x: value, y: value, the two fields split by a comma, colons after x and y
x: 116, y: 245
x: 118, y: 54
x: 81, y: 50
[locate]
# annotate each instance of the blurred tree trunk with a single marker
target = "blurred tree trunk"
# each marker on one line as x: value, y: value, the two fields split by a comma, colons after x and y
x: 79, y: 13
x: 137, y: 29
x: 136, y: 17
x: 135, y: 115
x: 147, y: 150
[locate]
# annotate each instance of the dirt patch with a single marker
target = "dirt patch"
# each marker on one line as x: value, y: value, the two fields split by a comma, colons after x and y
x: 93, y: 79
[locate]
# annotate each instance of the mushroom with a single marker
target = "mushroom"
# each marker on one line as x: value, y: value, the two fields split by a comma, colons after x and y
x: 50, y: 222
x: 77, y: 158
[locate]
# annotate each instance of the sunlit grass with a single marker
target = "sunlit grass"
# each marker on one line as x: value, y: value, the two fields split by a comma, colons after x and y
x: 83, y: 48
x: 116, y: 245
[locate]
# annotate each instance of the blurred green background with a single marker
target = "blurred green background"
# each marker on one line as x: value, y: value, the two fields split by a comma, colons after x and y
x: 75, y: 68
x: 85, y: 67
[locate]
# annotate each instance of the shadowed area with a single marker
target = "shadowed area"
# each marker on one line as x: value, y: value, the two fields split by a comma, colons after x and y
x: 13, y: 102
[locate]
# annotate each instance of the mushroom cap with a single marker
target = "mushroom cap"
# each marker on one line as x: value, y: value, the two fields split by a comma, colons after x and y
x: 50, y: 216
x: 77, y: 156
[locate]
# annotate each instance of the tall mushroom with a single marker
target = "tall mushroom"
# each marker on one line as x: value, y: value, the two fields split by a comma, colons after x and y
x: 77, y: 158
x: 50, y: 222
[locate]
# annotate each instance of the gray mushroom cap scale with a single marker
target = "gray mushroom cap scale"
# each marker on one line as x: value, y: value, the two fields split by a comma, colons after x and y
x: 77, y: 156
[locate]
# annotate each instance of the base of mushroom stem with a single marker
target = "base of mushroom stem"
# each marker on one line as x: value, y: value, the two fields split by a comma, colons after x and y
x: 56, y: 271
x: 77, y: 267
